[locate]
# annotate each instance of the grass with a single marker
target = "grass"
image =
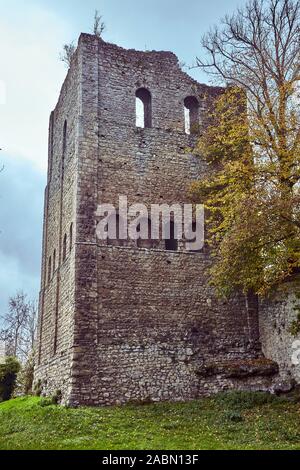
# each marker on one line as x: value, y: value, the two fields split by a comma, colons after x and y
x: 228, y: 421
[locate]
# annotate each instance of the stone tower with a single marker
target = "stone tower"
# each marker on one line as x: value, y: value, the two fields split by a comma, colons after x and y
x: 126, y: 321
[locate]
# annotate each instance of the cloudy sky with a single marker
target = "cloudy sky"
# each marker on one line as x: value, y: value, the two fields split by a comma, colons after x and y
x: 31, y: 36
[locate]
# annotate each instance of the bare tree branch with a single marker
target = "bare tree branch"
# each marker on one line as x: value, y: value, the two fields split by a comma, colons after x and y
x: 19, y: 328
x: 99, y: 25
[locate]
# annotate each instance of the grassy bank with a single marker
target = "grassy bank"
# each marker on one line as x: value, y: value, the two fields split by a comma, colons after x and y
x: 234, y: 421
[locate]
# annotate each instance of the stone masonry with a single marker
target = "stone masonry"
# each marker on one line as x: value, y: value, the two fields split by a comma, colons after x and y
x: 120, y: 322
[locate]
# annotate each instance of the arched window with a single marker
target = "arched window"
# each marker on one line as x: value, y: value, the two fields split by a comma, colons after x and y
x: 143, y: 108
x: 171, y: 243
x: 145, y: 242
x: 64, y: 253
x: 49, y: 269
x: 54, y: 261
x: 64, y: 149
x: 191, y: 115
x: 115, y: 240
x: 71, y: 237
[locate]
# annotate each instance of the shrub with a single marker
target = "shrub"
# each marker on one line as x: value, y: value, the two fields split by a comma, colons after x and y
x: 8, y: 377
x: 57, y: 397
x: 234, y: 416
x: 25, y: 376
x: 46, y: 401
x: 295, y: 326
x: 237, y: 400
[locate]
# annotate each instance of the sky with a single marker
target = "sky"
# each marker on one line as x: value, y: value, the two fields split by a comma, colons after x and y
x: 32, y: 33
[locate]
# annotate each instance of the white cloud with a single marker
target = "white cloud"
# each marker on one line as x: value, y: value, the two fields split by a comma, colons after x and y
x: 31, y: 74
x: 21, y: 211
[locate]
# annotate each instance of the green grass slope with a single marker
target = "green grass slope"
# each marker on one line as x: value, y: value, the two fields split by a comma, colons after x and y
x: 230, y: 421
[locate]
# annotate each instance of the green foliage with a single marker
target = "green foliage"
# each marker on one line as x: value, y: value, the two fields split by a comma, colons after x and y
x: 8, y: 377
x: 68, y: 53
x: 243, y: 400
x: 25, y: 376
x: 295, y: 326
x: 46, y: 401
x: 99, y: 25
x: 234, y: 403
x: 251, y: 199
x: 53, y: 400
x: 233, y: 415
x: 56, y: 398
x: 201, y: 424
x: 38, y: 388
x: 252, y: 147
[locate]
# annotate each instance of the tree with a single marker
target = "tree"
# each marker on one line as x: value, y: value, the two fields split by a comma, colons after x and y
x: 252, y: 145
x: 68, y: 53
x: 8, y: 377
x: 19, y: 328
x: 99, y: 25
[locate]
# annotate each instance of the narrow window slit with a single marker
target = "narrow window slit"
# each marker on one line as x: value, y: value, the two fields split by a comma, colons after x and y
x: 143, y: 108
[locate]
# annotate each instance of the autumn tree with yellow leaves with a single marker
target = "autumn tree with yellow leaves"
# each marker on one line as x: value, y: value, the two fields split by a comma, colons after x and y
x: 252, y: 147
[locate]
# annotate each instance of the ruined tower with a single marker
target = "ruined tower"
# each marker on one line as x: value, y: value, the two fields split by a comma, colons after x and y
x: 131, y: 321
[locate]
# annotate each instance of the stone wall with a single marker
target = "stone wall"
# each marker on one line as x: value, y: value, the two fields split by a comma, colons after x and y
x: 122, y: 323
x: 276, y: 318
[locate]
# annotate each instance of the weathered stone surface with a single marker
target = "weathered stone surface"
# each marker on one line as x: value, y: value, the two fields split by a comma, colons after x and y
x: 282, y: 387
x: 122, y: 323
x: 260, y: 367
x: 276, y: 318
